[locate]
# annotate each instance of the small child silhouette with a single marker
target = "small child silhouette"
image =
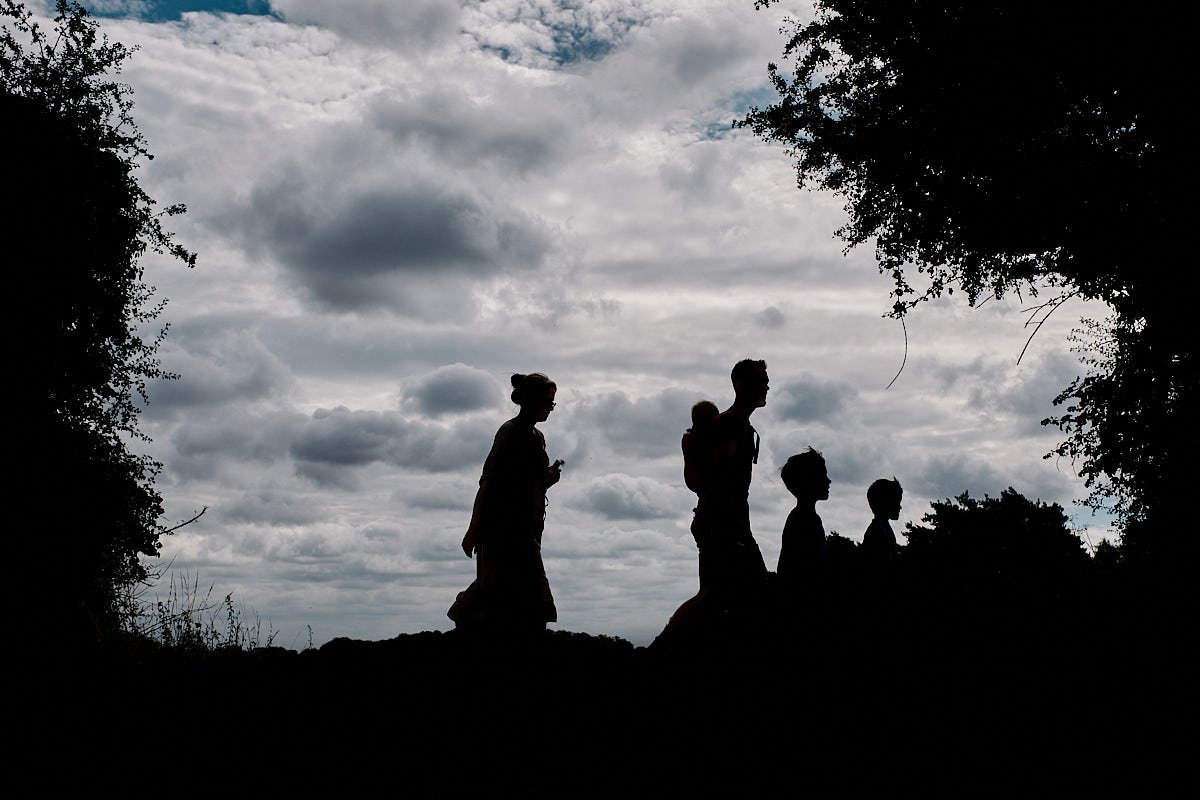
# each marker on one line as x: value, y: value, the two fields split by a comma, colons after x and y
x: 704, y: 412
x: 879, y: 542
x: 695, y: 443
x: 803, y: 546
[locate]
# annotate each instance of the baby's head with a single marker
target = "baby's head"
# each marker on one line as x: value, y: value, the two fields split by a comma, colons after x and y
x: 884, y: 497
x: 805, y: 475
x: 703, y: 413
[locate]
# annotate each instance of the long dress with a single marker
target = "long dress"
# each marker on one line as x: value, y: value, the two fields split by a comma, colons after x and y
x: 510, y: 587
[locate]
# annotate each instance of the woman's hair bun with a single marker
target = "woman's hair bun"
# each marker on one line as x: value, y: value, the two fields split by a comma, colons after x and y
x: 525, y: 387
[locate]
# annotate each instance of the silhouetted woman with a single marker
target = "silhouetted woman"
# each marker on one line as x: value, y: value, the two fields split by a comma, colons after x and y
x: 510, y: 592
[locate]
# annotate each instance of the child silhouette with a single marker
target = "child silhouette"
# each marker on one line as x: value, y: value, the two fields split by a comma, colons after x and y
x: 879, y: 542
x: 696, y: 443
x: 803, y: 546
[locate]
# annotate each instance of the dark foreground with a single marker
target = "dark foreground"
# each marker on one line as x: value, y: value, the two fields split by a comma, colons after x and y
x: 1060, y: 702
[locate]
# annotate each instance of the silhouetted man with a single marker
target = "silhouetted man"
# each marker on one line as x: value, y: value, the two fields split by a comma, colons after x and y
x: 731, y: 564
x: 719, y: 456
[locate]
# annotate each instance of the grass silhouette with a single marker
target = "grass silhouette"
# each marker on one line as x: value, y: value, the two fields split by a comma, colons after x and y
x: 189, y: 620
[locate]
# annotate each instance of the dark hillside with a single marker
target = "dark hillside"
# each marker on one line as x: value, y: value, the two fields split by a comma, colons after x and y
x: 819, y: 704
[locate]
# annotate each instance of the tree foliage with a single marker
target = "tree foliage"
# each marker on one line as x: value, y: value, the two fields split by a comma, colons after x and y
x: 993, y: 145
x: 1009, y: 554
x: 75, y: 225
x: 1132, y: 429
x: 998, y: 534
x: 998, y: 146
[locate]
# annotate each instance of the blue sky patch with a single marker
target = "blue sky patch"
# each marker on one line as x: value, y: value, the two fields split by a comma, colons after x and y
x: 736, y: 106
x: 169, y: 10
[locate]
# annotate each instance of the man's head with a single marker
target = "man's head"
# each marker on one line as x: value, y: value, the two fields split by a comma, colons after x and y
x: 750, y: 382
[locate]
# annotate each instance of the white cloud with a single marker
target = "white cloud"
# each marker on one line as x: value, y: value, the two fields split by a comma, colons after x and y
x: 618, y: 496
x: 378, y: 247
x: 549, y: 33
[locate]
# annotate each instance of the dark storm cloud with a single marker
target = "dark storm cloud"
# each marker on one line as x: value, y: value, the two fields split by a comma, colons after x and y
x: 452, y: 389
x: 369, y: 248
x: 810, y: 399
x: 618, y: 496
x: 336, y: 439
x: 648, y: 426
x: 464, y: 131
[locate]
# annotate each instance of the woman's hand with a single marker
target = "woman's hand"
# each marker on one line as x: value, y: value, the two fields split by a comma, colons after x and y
x: 554, y: 472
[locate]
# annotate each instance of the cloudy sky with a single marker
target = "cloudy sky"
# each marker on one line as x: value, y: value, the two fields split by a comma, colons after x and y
x: 397, y: 205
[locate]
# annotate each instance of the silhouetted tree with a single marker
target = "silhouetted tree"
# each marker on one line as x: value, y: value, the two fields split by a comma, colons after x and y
x: 994, y: 147
x: 74, y: 223
x: 1132, y: 430
x: 994, y: 548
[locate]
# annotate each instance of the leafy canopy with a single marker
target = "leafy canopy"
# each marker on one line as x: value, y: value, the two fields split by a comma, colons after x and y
x: 74, y: 225
x: 992, y: 145
x: 995, y: 146
x: 62, y: 83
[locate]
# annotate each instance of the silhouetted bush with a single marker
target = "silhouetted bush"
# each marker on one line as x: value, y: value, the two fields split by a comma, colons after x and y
x: 74, y: 223
x: 998, y: 546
